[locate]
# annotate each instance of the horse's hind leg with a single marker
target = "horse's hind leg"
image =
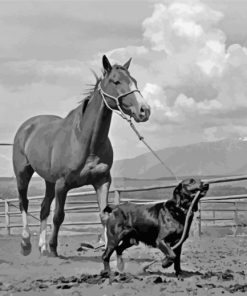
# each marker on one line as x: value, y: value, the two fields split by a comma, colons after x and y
x: 44, y: 214
x: 23, y: 178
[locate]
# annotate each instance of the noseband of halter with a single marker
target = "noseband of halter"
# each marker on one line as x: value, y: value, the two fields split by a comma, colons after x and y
x: 119, y: 110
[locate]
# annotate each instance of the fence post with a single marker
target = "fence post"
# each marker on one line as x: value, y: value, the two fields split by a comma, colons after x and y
x: 199, y: 220
x: 116, y: 197
x: 7, y: 218
x: 236, y: 218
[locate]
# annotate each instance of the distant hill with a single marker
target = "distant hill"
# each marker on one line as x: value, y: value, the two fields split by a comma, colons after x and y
x: 220, y: 158
x: 225, y: 157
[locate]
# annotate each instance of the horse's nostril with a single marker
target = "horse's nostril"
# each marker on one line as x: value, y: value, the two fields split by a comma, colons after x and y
x: 142, y: 111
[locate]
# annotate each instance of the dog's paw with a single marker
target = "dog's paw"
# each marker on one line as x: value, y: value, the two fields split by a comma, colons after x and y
x: 179, y: 275
x: 167, y: 262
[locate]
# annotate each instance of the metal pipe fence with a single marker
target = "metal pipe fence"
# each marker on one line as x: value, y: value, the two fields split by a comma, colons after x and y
x: 234, y: 204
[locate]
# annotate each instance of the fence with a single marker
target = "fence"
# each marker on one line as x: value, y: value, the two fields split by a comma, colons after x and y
x: 207, y: 214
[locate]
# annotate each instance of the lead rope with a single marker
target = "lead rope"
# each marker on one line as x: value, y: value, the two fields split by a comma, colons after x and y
x: 184, y: 231
x: 141, y: 138
x: 123, y: 115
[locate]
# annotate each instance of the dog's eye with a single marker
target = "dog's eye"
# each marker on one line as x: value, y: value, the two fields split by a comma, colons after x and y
x: 192, y: 181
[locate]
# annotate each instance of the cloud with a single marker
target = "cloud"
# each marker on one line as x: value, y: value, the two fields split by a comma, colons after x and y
x: 20, y: 73
x: 71, y: 30
x: 31, y: 100
x: 192, y: 78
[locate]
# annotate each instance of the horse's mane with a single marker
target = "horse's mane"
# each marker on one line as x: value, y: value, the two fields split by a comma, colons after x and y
x: 75, y: 114
x: 92, y: 87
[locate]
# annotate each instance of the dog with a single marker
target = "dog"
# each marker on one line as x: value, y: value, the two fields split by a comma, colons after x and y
x: 158, y: 225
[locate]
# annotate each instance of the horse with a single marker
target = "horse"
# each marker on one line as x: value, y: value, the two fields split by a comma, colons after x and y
x: 73, y: 151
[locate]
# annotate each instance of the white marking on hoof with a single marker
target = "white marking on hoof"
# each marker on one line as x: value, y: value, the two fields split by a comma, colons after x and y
x: 42, y: 237
x: 25, y: 230
x: 43, y: 249
x: 26, y: 246
x: 120, y: 263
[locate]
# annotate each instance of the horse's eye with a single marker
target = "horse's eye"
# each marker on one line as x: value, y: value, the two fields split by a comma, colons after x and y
x: 116, y: 82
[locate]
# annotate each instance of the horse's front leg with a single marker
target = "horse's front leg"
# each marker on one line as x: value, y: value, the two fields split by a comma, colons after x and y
x: 60, y: 195
x: 102, y: 187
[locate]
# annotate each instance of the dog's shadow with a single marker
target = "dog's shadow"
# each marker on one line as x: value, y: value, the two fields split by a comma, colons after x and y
x: 185, y: 273
x: 96, y: 257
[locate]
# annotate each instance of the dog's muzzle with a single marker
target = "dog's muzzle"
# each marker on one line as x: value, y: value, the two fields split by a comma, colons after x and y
x: 205, y: 186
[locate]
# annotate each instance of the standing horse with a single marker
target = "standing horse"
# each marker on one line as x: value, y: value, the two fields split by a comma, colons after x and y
x: 74, y: 151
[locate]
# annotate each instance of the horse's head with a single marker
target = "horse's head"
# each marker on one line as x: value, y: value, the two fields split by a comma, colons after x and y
x: 119, y: 91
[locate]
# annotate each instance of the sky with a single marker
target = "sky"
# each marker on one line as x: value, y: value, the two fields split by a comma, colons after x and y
x: 188, y: 56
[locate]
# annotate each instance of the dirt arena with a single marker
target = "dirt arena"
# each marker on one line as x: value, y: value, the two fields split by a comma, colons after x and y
x: 214, y: 266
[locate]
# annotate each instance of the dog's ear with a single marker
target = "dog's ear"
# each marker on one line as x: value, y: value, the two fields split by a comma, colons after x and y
x: 177, y: 194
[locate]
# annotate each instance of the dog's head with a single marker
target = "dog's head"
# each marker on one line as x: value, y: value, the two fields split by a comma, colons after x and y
x: 186, y: 190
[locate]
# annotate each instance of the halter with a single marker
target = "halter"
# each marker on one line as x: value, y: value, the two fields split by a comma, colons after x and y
x: 119, y: 110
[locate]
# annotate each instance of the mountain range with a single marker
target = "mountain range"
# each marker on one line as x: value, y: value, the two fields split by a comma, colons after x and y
x: 219, y: 158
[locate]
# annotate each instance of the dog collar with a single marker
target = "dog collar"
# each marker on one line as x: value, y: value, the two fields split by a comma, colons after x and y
x: 183, y: 210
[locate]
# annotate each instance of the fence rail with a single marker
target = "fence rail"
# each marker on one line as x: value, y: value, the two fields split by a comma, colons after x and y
x: 86, y: 207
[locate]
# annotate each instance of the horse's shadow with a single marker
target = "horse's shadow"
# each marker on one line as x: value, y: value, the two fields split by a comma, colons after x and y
x: 78, y: 258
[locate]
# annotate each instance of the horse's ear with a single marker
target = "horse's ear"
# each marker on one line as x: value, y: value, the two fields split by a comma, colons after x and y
x: 127, y: 64
x: 106, y: 64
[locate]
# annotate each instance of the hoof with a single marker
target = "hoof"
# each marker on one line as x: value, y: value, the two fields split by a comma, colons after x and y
x: 52, y: 254
x: 167, y: 262
x: 45, y: 253
x: 120, y: 263
x: 53, y: 251
x: 43, y: 250
x: 26, y: 246
x: 180, y: 275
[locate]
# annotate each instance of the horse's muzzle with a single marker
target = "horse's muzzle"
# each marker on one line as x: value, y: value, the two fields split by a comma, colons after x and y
x: 143, y: 114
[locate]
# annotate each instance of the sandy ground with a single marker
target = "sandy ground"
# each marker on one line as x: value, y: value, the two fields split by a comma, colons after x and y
x: 214, y: 266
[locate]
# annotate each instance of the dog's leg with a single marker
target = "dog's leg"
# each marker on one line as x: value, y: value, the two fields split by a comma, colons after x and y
x: 106, y: 259
x: 177, y: 266
x: 126, y: 239
x: 119, y: 250
x: 170, y: 255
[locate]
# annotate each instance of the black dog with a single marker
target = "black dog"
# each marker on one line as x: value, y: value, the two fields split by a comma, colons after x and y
x: 159, y: 225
